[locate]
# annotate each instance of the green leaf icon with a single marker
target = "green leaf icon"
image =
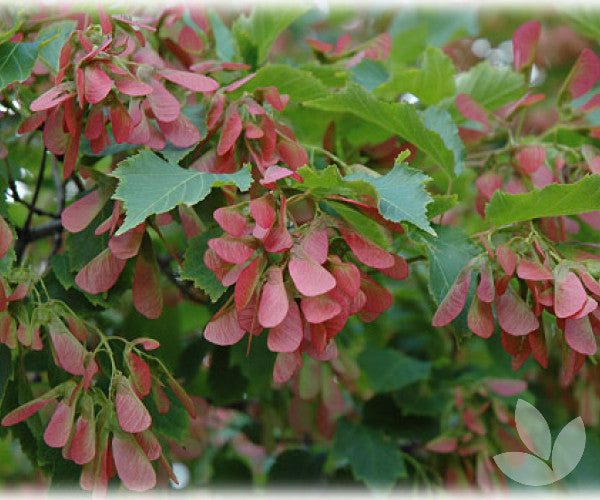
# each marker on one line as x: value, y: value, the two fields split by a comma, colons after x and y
x: 533, y: 429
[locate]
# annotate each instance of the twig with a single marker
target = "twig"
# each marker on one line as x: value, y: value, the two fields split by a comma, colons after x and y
x: 168, y: 247
x: 38, y: 187
x: 78, y: 182
x: 185, y: 287
x: 196, y: 153
x: 23, y: 233
x: 42, y: 231
x: 59, y: 186
x: 325, y: 152
x: 14, y: 192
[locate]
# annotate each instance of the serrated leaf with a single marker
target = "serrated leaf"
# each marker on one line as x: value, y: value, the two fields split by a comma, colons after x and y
x: 225, y: 46
x: 7, y: 262
x: 16, y: 61
x: 584, y: 20
x: 150, y: 185
x: 447, y: 255
x: 402, y: 195
x: 329, y: 181
x: 370, y: 74
x: 551, y: 201
x: 431, y: 83
x: 390, y: 370
x: 441, y: 123
x: 174, y: 423
x: 441, y: 204
x: 52, y: 39
x: 373, y: 460
x: 195, y: 270
x: 175, y: 155
x: 398, y: 118
x: 298, y: 84
x: 330, y: 76
x: 491, y: 86
x: 264, y: 25
x: 408, y: 45
x: 85, y: 245
x: 62, y: 271
x: 362, y: 224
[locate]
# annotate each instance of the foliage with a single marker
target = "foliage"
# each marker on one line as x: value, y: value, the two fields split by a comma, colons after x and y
x: 272, y: 252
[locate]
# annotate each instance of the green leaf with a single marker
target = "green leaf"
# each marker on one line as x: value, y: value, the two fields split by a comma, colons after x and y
x: 373, y: 460
x: 263, y: 26
x: 85, y: 245
x: 62, y: 271
x: 17, y: 22
x: 330, y: 76
x: 441, y: 122
x: 363, y: 224
x: 5, y: 369
x: 442, y: 25
x: 447, y: 255
x: 432, y: 83
x: 398, y: 118
x: 441, y: 204
x: 226, y: 383
x: 256, y: 365
x: 175, y: 155
x: 7, y: 262
x: 551, y: 201
x: 295, y: 466
x: 402, y: 195
x: 390, y: 370
x: 298, y: 84
x: 150, y: 185
x: 52, y: 39
x: 223, y: 38
x: 491, y: 86
x: 174, y: 423
x: 370, y: 74
x: 329, y: 181
x: 195, y: 270
x: 229, y: 469
x: 16, y: 61
x: 585, y: 21
x: 408, y: 45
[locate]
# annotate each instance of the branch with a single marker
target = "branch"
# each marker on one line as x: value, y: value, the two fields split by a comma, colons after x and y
x: 42, y: 231
x: 23, y: 234
x: 196, y: 153
x: 60, y: 202
x: 185, y: 287
x: 14, y: 193
x: 38, y: 187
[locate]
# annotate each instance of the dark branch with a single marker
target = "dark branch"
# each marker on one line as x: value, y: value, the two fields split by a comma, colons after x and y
x: 42, y: 231
x: 59, y: 186
x: 185, y: 287
x: 23, y: 233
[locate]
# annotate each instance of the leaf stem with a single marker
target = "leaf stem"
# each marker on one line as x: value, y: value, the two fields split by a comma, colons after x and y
x: 168, y: 247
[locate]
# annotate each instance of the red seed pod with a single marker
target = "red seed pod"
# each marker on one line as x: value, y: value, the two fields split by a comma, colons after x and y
x: 131, y: 412
x: 140, y: 373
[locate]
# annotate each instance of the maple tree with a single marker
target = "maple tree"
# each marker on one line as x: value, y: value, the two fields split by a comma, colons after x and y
x: 259, y: 245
